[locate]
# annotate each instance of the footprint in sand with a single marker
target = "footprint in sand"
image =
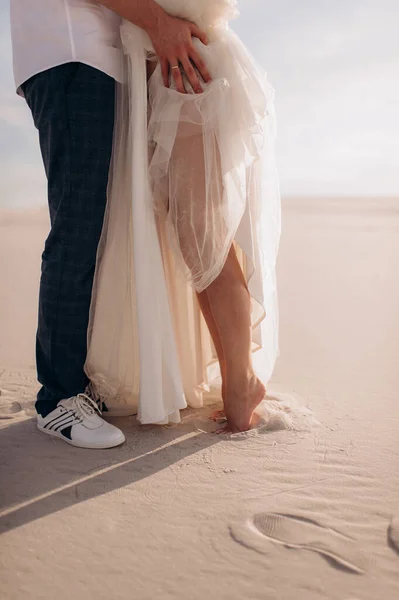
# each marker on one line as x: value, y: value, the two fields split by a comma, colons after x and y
x: 393, y: 534
x: 9, y: 409
x: 300, y: 533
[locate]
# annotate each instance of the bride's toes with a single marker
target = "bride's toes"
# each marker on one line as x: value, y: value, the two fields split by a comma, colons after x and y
x: 218, y: 415
x: 224, y: 430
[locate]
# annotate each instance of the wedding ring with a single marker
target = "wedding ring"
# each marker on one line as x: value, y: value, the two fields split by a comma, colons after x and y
x: 176, y: 67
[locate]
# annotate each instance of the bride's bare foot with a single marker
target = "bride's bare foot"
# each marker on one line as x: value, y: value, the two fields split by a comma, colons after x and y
x: 240, y: 405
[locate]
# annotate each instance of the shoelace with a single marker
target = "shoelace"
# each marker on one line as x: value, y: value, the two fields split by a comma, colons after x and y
x: 85, y: 406
x: 93, y: 395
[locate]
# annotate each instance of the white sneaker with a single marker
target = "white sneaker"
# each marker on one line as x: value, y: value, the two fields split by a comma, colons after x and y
x: 78, y: 422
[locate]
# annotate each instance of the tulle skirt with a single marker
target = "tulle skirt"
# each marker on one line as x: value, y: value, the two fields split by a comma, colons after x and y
x: 191, y: 175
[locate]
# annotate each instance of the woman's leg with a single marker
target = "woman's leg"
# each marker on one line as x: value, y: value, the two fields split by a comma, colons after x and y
x: 214, y: 332
x: 197, y: 215
x: 201, y: 231
x: 230, y: 305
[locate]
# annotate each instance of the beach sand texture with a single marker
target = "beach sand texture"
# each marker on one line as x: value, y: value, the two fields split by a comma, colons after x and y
x: 178, y: 513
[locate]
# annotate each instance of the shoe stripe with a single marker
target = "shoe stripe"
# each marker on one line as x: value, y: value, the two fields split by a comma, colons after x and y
x: 62, y: 426
x: 61, y: 422
x: 62, y: 418
x: 57, y: 418
x: 55, y: 426
x: 47, y: 425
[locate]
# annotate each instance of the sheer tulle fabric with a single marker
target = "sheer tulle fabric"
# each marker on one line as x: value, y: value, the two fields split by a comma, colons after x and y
x: 191, y: 175
x: 205, y: 13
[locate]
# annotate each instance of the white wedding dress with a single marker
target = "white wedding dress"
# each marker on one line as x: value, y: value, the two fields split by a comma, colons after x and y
x: 191, y: 174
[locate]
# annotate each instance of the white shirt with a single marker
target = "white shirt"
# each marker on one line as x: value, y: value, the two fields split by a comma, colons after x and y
x: 48, y: 33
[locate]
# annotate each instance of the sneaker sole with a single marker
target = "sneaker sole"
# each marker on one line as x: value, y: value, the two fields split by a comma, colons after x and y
x: 77, y: 445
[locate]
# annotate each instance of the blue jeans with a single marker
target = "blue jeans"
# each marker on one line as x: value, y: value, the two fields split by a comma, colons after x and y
x: 73, y: 109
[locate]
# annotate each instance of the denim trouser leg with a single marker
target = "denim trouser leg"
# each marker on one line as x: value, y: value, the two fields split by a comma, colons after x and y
x: 73, y: 109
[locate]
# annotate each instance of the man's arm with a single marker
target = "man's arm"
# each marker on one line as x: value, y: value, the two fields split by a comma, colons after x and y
x: 171, y: 38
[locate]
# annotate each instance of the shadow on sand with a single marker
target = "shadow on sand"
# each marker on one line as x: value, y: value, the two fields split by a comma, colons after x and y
x: 43, y: 475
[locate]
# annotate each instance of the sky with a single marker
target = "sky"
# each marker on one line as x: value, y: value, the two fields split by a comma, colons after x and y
x: 334, y: 65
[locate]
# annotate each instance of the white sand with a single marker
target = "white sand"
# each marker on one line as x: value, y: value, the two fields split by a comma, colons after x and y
x: 180, y: 514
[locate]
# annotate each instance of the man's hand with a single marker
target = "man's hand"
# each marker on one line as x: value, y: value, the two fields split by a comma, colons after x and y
x: 173, y: 44
x: 171, y: 38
